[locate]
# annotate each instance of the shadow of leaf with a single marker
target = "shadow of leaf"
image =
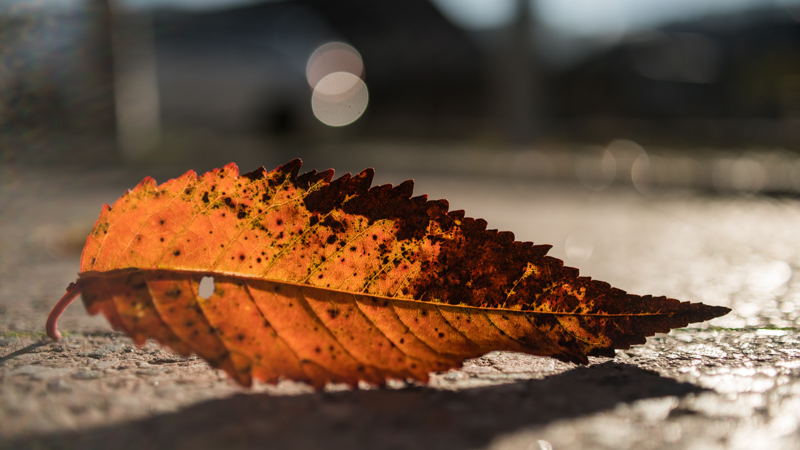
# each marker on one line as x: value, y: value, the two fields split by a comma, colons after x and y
x: 414, y: 418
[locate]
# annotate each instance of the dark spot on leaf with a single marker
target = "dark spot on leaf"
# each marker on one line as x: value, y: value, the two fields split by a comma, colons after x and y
x: 335, y: 225
x: 176, y: 252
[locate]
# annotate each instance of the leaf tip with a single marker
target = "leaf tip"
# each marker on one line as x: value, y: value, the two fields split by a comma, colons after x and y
x: 406, y: 189
x: 366, y: 176
x: 257, y: 174
x: 147, y: 182
x: 327, y: 175
x: 292, y: 167
x: 233, y: 168
x: 708, y: 312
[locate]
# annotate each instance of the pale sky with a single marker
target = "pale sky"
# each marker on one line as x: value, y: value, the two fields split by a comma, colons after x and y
x: 568, y: 17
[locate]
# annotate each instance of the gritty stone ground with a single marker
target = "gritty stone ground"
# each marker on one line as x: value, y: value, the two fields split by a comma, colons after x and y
x: 728, y: 384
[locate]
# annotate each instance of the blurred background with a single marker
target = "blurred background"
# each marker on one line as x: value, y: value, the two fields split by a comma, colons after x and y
x: 170, y: 81
x: 653, y: 144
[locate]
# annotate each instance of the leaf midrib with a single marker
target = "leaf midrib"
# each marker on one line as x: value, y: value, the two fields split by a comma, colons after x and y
x: 115, y: 272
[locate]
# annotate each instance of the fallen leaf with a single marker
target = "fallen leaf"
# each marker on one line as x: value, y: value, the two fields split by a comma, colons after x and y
x: 333, y: 281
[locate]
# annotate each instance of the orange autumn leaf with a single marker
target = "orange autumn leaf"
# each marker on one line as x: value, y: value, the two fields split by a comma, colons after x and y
x: 336, y: 281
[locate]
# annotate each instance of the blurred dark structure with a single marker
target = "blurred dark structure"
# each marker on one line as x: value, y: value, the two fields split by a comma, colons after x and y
x: 730, y: 79
x: 55, y: 78
x: 727, y: 80
x: 245, y: 67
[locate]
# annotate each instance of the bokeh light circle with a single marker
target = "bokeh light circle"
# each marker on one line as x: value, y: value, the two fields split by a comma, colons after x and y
x: 331, y: 58
x: 339, y: 99
x: 579, y: 247
x: 595, y: 168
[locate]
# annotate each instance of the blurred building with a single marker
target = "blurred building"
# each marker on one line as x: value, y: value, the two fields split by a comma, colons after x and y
x: 726, y: 80
x: 245, y: 68
x: 55, y: 76
x: 729, y: 79
x: 95, y: 68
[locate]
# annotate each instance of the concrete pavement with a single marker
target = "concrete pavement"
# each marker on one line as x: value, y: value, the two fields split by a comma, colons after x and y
x: 728, y: 384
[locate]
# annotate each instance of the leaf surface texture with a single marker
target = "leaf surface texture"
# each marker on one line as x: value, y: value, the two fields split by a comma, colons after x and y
x: 323, y: 280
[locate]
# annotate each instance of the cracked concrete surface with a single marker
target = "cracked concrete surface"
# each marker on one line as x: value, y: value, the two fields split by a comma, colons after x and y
x: 728, y: 384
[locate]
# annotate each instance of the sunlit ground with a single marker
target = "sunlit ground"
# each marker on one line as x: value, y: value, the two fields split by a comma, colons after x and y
x: 714, y: 227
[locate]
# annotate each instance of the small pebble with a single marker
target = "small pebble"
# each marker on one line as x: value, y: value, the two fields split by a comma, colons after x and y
x: 49, y: 373
x: 87, y: 375
x: 59, y: 385
x: 150, y: 371
x: 27, y: 370
x: 105, y: 365
x: 104, y: 350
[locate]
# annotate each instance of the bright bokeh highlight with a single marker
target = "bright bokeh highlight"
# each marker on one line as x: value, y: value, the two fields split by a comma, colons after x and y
x: 335, y: 71
x: 333, y: 57
x: 339, y: 99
